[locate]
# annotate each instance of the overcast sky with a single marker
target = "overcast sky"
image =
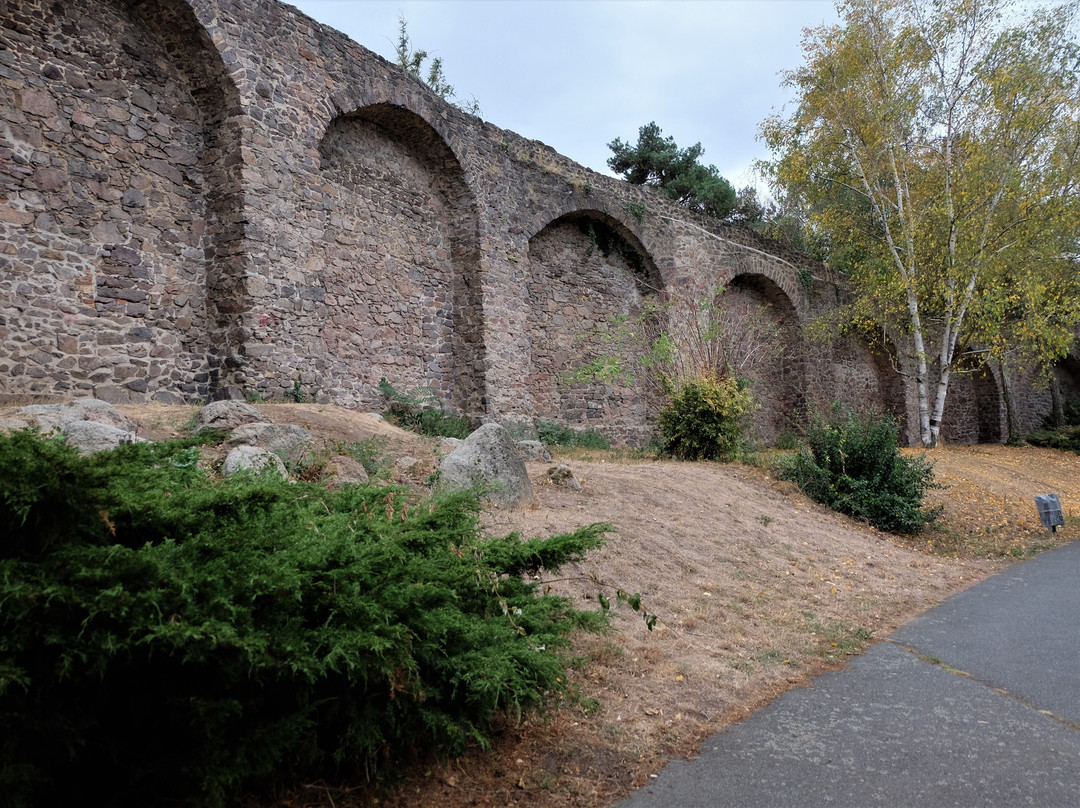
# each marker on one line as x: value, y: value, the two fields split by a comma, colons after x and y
x: 575, y: 74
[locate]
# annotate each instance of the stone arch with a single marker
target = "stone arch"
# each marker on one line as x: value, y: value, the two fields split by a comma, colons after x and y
x: 399, y: 294
x: 120, y: 121
x: 863, y: 374
x: 973, y: 407
x: 587, y: 273
x: 764, y: 313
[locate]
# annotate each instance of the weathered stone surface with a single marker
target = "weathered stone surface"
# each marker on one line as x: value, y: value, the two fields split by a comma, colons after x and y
x: 229, y: 415
x: 48, y: 416
x: 89, y: 437
x: 488, y: 459
x: 252, y: 458
x: 533, y: 450
x: 562, y: 475
x: 344, y: 470
x: 288, y: 441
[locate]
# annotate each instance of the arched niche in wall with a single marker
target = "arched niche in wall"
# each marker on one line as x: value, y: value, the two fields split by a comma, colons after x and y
x: 973, y: 407
x: 401, y: 262
x: 763, y: 326
x: 1067, y: 374
x: 588, y: 275
x: 863, y: 374
x: 115, y: 133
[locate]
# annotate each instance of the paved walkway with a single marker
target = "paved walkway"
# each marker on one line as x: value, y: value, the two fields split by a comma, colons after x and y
x: 975, y: 703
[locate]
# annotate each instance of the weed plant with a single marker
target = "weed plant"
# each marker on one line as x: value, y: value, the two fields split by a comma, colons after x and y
x: 852, y: 463
x: 422, y: 411
x: 169, y: 637
x: 570, y: 438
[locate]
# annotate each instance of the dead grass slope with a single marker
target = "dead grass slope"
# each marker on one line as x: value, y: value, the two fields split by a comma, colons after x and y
x: 755, y: 590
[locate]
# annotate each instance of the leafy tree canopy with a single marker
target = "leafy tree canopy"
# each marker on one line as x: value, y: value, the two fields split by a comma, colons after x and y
x: 935, y: 147
x: 656, y: 160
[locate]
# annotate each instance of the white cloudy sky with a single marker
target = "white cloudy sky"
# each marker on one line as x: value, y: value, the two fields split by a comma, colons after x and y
x: 575, y: 74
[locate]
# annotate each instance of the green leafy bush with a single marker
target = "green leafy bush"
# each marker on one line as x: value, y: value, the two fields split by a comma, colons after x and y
x: 1066, y: 438
x: 165, y: 636
x: 559, y: 435
x: 705, y: 418
x: 422, y: 411
x: 853, y: 464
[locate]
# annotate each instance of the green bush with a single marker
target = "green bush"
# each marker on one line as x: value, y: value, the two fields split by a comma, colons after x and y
x: 1066, y: 438
x: 853, y: 464
x: 422, y: 411
x: 705, y: 418
x: 165, y: 636
x: 559, y: 435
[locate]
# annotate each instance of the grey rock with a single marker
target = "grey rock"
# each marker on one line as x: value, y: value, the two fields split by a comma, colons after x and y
x: 344, y: 470
x: 229, y: 414
x: 252, y: 458
x: 534, y: 450
x: 51, y: 416
x: 89, y: 437
x: 562, y: 475
x: 489, y: 459
x: 285, y: 440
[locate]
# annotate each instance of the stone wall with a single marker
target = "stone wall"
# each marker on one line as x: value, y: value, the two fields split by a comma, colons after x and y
x: 219, y: 198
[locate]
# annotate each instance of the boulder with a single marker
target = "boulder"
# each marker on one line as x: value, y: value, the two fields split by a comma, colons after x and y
x: 57, y: 416
x: 90, y: 437
x: 562, y: 475
x: 489, y: 459
x: 534, y: 450
x: 228, y: 415
x: 252, y: 458
x: 285, y: 440
x: 344, y: 470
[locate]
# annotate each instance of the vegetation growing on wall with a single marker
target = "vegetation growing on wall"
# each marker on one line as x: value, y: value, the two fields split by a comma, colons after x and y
x: 657, y: 161
x: 413, y: 61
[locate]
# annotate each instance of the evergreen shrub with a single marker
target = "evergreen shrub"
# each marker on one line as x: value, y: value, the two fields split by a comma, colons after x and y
x: 1066, y: 437
x: 852, y: 463
x: 170, y: 637
x: 705, y: 417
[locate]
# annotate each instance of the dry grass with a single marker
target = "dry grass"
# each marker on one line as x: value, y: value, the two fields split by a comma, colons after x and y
x: 755, y: 590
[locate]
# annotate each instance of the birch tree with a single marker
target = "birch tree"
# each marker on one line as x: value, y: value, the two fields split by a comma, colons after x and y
x: 935, y: 143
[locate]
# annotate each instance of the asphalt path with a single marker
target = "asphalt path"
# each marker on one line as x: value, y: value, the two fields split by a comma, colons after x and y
x: 975, y: 703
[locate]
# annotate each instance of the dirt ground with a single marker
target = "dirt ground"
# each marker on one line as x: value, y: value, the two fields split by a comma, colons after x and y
x: 755, y: 590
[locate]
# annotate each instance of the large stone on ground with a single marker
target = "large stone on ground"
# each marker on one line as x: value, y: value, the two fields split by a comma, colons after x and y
x: 285, y: 440
x: 488, y: 459
x: 228, y: 415
x: 90, y: 437
x: 57, y: 416
x: 252, y: 458
x: 344, y: 470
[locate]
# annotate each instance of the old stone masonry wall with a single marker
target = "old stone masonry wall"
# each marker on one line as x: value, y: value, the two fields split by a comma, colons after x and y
x: 220, y: 198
